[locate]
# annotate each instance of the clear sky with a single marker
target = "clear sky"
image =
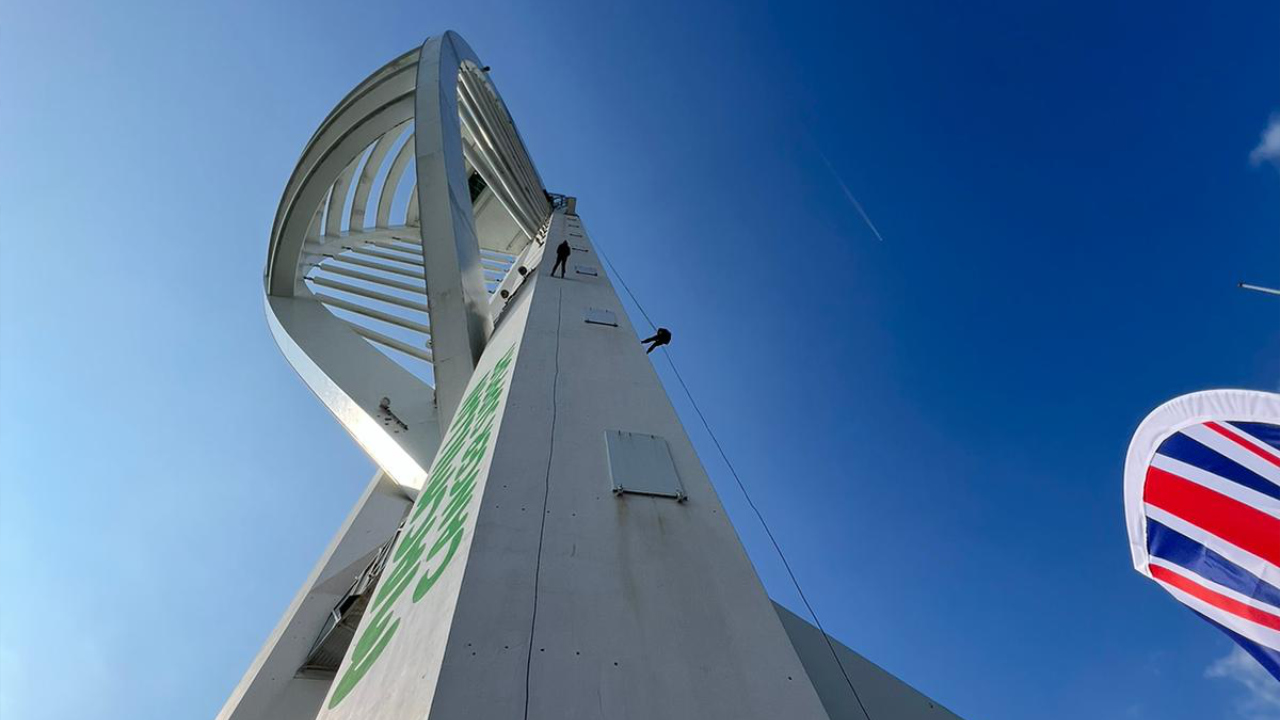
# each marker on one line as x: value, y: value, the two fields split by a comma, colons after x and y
x: 934, y: 423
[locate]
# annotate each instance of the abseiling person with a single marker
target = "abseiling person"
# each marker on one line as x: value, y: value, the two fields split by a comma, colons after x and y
x: 562, y: 258
x: 660, y: 338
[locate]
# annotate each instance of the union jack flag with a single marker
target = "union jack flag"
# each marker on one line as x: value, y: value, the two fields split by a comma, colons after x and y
x: 1202, y: 502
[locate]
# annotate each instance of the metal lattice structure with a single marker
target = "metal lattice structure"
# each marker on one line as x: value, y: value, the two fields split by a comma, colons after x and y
x: 399, y: 237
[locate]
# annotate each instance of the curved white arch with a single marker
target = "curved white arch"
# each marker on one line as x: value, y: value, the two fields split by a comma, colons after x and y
x: 341, y: 303
x: 378, y: 104
x: 364, y: 186
x: 398, y: 165
x: 338, y: 198
x: 411, y: 216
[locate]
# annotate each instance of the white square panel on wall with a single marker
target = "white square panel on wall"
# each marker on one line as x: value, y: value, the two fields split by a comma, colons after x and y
x: 641, y: 464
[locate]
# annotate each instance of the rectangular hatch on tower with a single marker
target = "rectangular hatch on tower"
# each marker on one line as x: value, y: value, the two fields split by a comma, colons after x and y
x: 642, y: 464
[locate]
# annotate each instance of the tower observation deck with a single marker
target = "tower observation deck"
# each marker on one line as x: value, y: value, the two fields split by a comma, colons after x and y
x: 540, y: 539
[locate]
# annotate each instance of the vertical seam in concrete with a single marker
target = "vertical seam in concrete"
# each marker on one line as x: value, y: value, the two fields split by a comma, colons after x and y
x: 542, y: 528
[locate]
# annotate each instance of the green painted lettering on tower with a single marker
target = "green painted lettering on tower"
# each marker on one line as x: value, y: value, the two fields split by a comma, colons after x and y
x: 435, y: 529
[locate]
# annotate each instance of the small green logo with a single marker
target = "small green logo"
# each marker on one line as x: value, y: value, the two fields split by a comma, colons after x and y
x: 435, y: 528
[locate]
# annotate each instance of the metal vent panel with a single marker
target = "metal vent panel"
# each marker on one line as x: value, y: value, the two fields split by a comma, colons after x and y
x: 641, y: 464
x: 596, y: 316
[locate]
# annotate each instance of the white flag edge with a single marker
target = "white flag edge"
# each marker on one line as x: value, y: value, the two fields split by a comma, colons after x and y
x: 1167, y: 419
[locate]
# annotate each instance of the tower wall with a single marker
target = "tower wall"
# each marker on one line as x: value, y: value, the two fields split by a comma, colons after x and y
x: 520, y: 584
x: 271, y: 688
x: 560, y: 594
x: 883, y: 695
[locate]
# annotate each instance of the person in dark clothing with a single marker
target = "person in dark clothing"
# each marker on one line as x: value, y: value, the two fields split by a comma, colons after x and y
x: 660, y: 338
x: 562, y: 258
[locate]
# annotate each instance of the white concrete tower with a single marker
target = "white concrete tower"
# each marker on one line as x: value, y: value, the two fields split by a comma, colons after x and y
x: 541, y: 540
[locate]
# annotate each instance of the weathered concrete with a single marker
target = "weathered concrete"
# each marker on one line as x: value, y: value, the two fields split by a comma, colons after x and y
x: 392, y: 668
x: 270, y: 689
x: 645, y: 607
x: 884, y: 696
x: 534, y: 591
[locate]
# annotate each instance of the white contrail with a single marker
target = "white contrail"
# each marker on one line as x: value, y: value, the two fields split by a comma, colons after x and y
x: 849, y: 194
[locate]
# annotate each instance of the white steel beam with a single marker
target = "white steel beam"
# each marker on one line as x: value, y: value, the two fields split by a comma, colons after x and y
x: 455, y: 281
x: 388, y: 341
x: 338, y: 198
x: 356, y: 260
x: 360, y: 203
x: 384, y: 255
x: 337, y: 269
x: 392, y: 182
x: 373, y: 313
x: 369, y: 294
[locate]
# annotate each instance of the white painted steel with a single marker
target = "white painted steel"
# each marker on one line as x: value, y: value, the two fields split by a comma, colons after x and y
x: 392, y: 182
x: 270, y: 688
x: 341, y: 304
x: 339, y: 269
x: 455, y: 280
x: 309, y: 248
x: 411, y: 215
x: 351, y: 378
x: 376, y: 252
x: 351, y: 259
x: 338, y: 198
x: 427, y: 92
x: 370, y: 294
x: 369, y: 174
x: 394, y: 344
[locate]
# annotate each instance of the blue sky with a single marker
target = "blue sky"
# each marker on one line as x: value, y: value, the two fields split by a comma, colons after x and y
x: 935, y: 423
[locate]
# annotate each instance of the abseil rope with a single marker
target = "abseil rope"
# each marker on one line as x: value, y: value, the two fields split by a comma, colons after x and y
x: 743, y: 488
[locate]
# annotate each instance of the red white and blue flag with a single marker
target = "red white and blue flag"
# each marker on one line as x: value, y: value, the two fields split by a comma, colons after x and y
x: 1202, y: 502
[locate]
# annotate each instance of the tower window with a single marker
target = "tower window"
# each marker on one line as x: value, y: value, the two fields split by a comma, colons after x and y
x: 476, y: 184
